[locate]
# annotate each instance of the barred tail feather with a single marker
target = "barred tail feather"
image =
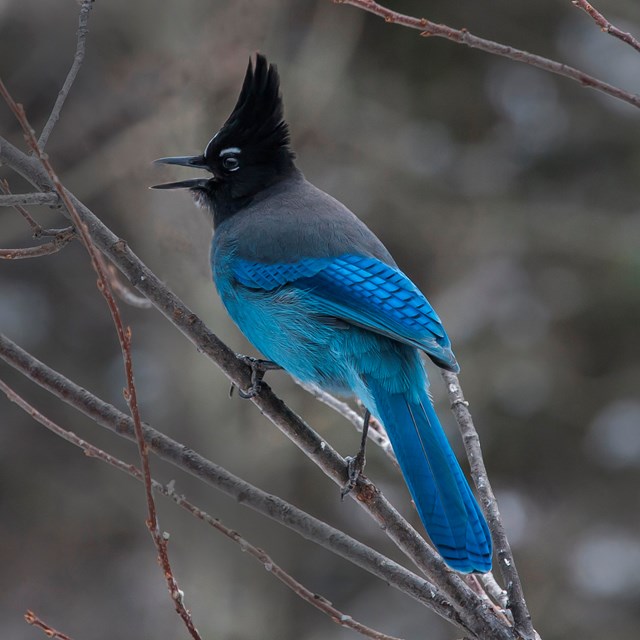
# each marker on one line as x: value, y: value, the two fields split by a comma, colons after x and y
x: 447, y: 507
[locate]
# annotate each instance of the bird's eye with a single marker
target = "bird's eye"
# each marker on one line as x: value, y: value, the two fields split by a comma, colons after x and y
x: 231, y: 163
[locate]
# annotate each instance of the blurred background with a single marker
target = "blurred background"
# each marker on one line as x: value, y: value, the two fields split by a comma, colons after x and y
x: 507, y: 194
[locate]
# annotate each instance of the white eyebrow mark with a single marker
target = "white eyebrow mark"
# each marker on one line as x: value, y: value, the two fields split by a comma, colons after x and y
x: 229, y: 151
x: 206, y: 151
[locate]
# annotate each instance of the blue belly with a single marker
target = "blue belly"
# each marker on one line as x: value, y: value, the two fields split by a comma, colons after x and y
x: 286, y: 326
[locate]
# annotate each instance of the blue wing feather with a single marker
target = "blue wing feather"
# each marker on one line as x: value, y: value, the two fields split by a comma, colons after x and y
x: 363, y: 291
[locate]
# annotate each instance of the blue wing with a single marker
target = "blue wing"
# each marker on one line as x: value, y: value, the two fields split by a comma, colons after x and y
x: 362, y: 291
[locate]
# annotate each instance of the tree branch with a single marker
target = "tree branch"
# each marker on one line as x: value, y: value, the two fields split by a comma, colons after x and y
x: 605, y: 25
x: 506, y: 562
x: 35, y: 227
x: 275, y: 508
x: 462, y: 36
x: 85, y: 9
x: 32, y: 619
x: 299, y: 589
x: 376, y: 431
x: 59, y: 242
x: 124, y: 338
x: 28, y: 199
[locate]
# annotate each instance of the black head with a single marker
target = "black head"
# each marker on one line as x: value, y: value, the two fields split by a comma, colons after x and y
x: 249, y: 153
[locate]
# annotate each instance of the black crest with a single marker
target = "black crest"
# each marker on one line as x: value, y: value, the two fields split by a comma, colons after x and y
x: 257, y: 120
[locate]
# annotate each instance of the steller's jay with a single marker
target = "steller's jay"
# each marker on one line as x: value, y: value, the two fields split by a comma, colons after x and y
x: 318, y: 294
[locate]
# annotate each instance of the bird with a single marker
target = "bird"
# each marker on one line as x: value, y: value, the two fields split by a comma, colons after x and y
x: 318, y: 294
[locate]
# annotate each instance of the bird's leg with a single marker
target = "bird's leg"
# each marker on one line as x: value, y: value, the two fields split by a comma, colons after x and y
x: 355, y: 464
x: 258, y: 369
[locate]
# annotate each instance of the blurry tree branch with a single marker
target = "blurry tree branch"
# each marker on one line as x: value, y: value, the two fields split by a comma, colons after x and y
x: 85, y: 8
x: 463, y: 36
x: 169, y: 492
x: 605, y: 25
x: 32, y: 619
x: 376, y: 431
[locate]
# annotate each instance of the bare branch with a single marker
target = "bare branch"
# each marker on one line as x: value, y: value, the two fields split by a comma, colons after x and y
x: 299, y: 589
x: 50, y: 632
x: 261, y: 556
x: 376, y: 431
x: 506, y: 562
x: 29, y: 199
x: 59, y: 242
x: 120, y: 289
x: 124, y: 338
x: 35, y: 227
x: 495, y: 590
x: 275, y: 508
x: 462, y: 36
x: 605, y: 25
x: 85, y: 9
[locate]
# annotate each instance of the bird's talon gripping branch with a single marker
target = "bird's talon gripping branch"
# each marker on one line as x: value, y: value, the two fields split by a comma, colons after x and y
x: 258, y: 369
x: 355, y: 464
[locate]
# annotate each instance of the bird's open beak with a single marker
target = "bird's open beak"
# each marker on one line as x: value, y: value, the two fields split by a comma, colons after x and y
x: 197, y: 162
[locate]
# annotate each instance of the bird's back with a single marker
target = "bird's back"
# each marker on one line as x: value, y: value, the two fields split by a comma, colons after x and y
x: 291, y: 220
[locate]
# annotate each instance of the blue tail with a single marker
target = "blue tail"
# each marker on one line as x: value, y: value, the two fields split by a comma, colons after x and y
x: 446, y: 505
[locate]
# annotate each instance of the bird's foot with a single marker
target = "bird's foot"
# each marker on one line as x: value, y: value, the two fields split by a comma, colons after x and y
x: 355, y: 467
x: 355, y: 464
x: 258, y: 369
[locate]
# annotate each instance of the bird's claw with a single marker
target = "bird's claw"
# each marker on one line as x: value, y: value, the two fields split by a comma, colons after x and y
x: 355, y: 467
x: 258, y: 369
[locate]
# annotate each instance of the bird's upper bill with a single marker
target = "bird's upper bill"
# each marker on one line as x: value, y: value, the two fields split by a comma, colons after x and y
x: 197, y: 162
x: 254, y: 135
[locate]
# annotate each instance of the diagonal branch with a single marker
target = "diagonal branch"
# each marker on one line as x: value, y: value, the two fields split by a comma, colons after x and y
x: 124, y: 338
x: 94, y: 452
x: 59, y: 242
x: 83, y: 20
x: 32, y: 619
x: 506, y: 562
x: 462, y: 36
x: 11, y: 200
x: 376, y: 431
x: 275, y: 508
x: 605, y: 25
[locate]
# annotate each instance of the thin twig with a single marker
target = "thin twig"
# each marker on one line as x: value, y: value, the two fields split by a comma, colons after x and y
x: 494, y: 589
x: 120, y: 289
x: 50, y: 632
x: 36, y: 228
x: 462, y: 36
x: 467, y: 604
x: 85, y: 9
x: 124, y: 338
x: 275, y: 508
x: 506, y: 562
x: 605, y: 25
x: 29, y: 199
x: 58, y: 243
x: 376, y: 431
x: 261, y: 556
